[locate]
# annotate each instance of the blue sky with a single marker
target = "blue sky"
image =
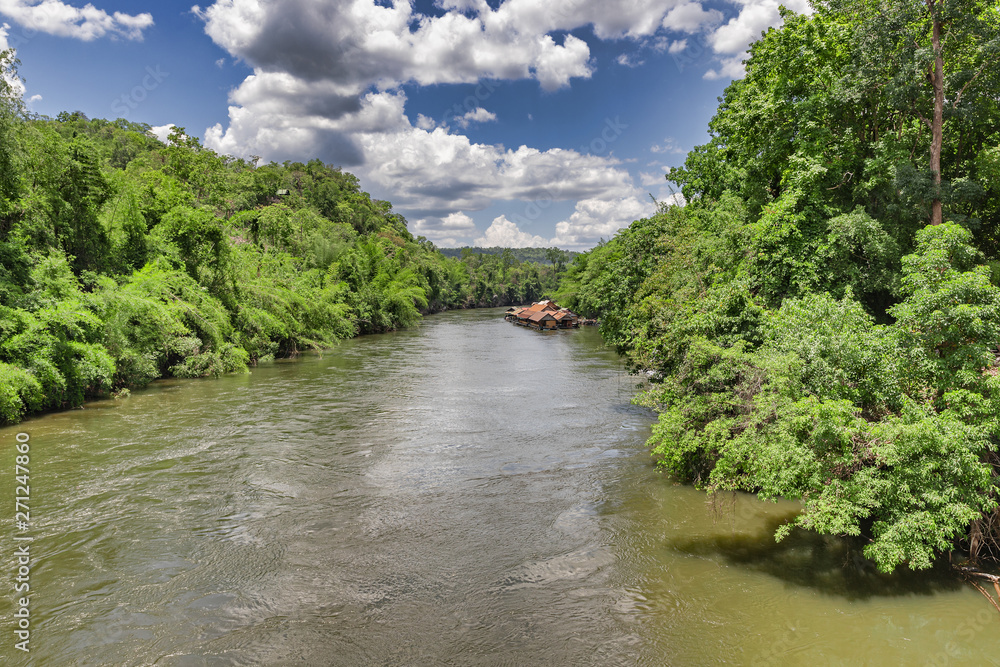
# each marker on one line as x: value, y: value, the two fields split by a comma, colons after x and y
x: 499, y: 122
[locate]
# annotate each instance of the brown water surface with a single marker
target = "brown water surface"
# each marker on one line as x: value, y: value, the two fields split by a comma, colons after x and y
x: 463, y: 493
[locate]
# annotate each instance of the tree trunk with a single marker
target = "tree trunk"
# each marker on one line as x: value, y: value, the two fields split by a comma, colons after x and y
x: 937, y: 124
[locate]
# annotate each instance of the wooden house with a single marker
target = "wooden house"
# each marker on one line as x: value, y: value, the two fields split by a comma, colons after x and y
x: 566, y: 319
x: 543, y: 316
x: 543, y: 320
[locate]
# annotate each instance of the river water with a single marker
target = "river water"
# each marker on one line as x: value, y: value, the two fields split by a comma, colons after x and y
x: 466, y: 492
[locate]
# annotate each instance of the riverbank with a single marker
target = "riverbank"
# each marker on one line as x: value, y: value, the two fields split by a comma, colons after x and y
x: 126, y: 258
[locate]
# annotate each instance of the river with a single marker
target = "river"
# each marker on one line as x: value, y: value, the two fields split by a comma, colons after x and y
x: 465, y: 492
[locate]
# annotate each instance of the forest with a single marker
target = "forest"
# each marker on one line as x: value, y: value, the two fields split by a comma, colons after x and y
x: 552, y: 256
x: 821, y: 320
x: 124, y: 259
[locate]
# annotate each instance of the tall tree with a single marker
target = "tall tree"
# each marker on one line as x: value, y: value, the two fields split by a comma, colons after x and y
x: 935, y: 61
x: 11, y: 114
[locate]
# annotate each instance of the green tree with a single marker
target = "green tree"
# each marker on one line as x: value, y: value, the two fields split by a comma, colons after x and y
x: 82, y: 191
x: 933, y: 61
x: 11, y: 119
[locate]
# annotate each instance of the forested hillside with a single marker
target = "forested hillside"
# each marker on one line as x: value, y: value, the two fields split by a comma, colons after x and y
x: 821, y: 320
x: 553, y: 256
x: 124, y: 259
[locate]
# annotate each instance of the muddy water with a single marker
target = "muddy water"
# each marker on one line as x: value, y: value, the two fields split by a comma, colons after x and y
x: 463, y: 493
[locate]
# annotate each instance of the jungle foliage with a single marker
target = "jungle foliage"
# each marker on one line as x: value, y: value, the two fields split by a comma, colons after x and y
x: 553, y: 256
x: 808, y: 333
x: 124, y: 259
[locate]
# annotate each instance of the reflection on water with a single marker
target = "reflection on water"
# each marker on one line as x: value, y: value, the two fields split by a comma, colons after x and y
x: 463, y: 493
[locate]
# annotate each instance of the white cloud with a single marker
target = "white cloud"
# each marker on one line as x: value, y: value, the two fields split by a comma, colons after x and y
x: 87, y: 23
x: 674, y: 199
x: 438, y: 171
x: 629, y: 60
x: 34, y: 98
x: 475, y: 6
x: 279, y: 117
x: 504, y: 233
x: 691, y: 17
x: 669, y: 145
x: 647, y: 179
x: 220, y: 62
x: 428, y: 172
x: 161, y: 132
x: 454, y: 229
x: 425, y: 123
x: 15, y: 83
x: 729, y: 68
x: 327, y: 82
x: 755, y: 16
x: 611, y: 19
x: 477, y: 115
x: 361, y: 43
x: 595, y: 219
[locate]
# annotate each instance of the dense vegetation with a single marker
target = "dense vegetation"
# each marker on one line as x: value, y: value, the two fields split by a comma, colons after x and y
x: 821, y: 321
x: 124, y: 259
x: 552, y: 256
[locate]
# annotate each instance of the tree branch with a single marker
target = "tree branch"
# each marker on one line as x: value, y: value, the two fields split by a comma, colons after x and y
x: 973, y: 572
x: 923, y: 118
x: 958, y: 97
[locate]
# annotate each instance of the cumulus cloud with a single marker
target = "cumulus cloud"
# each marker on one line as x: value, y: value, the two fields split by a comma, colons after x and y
x: 454, y: 229
x: 161, y: 132
x: 439, y: 172
x: 477, y: 115
x: 15, y: 83
x: 731, y: 40
x: 629, y: 60
x: 755, y: 16
x: 362, y: 43
x: 724, y: 41
x: 674, y: 199
x: 425, y: 123
x: 328, y: 82
x: 87, y: 23
x: 729, y: 68
x: 677, y: 46
x: 595, y: 219
x: 428, y: 171
x: 648, y: 179
x: 691, y: 17
x: 610, y: 19
x: 280, y: 117
x: 504, y: 233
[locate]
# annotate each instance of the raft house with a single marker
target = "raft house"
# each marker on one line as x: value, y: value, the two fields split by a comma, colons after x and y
x: 543, y: 316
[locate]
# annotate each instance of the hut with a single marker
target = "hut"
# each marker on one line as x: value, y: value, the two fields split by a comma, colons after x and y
x: 543, y: 320
x: 543, y: 315
x: 566, y: 319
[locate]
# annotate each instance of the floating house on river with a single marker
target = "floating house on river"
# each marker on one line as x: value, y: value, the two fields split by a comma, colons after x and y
x: 543, y: 316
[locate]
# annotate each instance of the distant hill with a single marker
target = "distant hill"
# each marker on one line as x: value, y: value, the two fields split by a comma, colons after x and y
x: 537, y: 255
